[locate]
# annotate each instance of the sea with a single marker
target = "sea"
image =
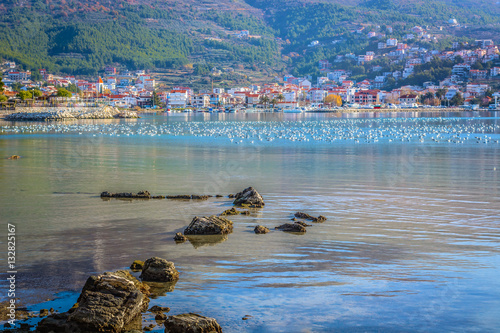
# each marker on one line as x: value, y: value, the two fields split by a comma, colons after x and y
x: 411, y: 242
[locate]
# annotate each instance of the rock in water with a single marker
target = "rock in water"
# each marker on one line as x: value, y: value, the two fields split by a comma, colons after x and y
x: 291, y: 227
x: 180, y: 237
x: 249, y: 197
x: 305, y: 216
x: 261, y: 230
x: 231, y: 211
x: 212, y: 225
x: 137, y: 265
x: 159, y: 270
x: 108, y: 303
x: 191, y: 323
x: 139, y: 195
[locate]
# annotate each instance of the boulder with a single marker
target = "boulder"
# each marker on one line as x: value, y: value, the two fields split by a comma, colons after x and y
x: 261, y: 230
x: 14, y: 157
x: 108, y: 303
x: 291, y: 227
x: 191, y: 323
x: 249, y: 197
x: 180, y: 237
x: 211, y: 225
x: 137, y: 265
x: 305, y: 216
x: 159, y: 270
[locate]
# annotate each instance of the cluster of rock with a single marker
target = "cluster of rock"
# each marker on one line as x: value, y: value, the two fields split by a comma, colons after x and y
x: 147, y: 195
x: 105, y: 112
x: 114, y: 302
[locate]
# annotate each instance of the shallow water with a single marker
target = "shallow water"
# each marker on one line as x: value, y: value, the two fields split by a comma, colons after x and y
x: 411, y: 242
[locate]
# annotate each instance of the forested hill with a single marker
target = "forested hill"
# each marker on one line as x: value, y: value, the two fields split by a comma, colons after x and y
x: 81, y: 37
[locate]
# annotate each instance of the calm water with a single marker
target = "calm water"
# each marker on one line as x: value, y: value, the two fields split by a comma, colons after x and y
x: 411, y: 242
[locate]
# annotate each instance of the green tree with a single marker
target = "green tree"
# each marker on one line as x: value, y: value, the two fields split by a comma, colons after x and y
x: 264, y: 100
x: 457, y: 99
x: 441, y: 92
x: 36, y: 93
x: 1, y: 84
x: 24, y: 95
x: 62, y: 92
x: 3, y: 98
x: 157, y: 100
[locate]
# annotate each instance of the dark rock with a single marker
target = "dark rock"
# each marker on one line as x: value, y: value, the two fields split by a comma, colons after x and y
x: 291, y: 227
x: 249, y: 197
x: 160, y: 317
x: 158, y: 197
x: 44, y: 312
x: 261, y: 230
x: 231, y: 211
x: 157, y: 308
x: 108, y: 303
x: 245, y: 212
x: 177, y: 197
x: 219, y: 196
x: 188, y: 197
x: 212, y: 225
x: 231, y: 196
x: 137, y: 265
x: 127, y: 195
x: 200, y: 197
x: 305, y: 216
x: 159, y: 270
x: 180, y: 237
x: 303, y: 224
x: 14, y: 157
x: 191, y: 323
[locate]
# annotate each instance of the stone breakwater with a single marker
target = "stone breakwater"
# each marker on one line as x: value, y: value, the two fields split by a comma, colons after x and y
x: 47, y: 114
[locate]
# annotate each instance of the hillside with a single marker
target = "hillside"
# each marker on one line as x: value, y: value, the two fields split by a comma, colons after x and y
x: 81, y: 37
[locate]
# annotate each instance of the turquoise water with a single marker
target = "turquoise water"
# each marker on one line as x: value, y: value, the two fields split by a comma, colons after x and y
x: 411, y: 242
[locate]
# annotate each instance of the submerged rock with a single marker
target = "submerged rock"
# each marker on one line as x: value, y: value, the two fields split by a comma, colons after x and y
x: 291, y: 227
x: 129, y: 195
x: 249, y: 197
x: 157, y: 308
x: 191, y: 323
x: 231, y: 211
x: 305, y: 216
x: 137, y: 265
x: 211, y: 225
x: 159, y: 270
x: 180, y: 237
x: 110, y: 302
x: 188, y: 197
x: 261, y: 230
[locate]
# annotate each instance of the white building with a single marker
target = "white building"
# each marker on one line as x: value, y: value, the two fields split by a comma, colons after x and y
x: 178, y: 99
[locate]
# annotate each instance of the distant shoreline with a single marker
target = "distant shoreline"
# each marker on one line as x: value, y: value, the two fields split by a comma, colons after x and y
x: 4, y: 113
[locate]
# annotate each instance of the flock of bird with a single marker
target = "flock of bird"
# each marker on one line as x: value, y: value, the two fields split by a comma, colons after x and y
x: 384, y: 130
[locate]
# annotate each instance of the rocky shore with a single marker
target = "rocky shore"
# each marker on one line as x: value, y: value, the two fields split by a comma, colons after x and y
x: 54, y: 114
x: 116, y: 302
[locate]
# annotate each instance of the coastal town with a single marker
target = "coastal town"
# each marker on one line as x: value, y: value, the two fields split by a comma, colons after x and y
x: 466, y: 86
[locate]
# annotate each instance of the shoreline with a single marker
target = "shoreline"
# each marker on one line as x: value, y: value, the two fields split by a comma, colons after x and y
x: 27, y: 110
